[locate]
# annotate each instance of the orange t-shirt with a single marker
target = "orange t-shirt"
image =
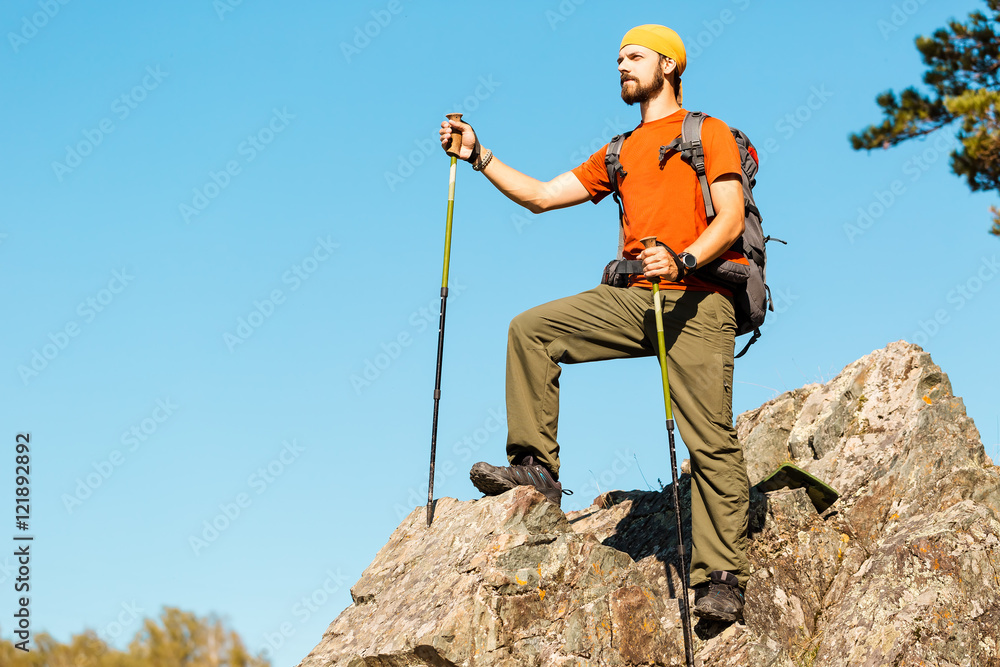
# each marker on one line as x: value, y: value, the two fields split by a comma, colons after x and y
x: 664, y: 200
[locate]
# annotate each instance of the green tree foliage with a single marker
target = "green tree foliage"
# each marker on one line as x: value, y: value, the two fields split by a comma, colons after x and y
x: 176, y: 639
x: 963, y: 71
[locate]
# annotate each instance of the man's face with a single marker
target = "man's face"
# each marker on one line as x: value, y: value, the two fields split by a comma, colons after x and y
x: 641, y: 75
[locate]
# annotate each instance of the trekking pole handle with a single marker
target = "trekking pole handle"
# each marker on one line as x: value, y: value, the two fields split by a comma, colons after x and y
x: 649, y: 242
x: 456, y: 136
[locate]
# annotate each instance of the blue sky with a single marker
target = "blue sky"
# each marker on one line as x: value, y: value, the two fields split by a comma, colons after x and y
x: 221, y: 254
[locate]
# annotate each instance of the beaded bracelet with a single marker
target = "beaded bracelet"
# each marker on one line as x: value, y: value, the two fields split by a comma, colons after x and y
x: 484, y: 160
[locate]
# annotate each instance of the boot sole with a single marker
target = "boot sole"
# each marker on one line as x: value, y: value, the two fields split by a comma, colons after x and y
x: 493, y: 484
x: 717, y: 616
x: 488, y: 482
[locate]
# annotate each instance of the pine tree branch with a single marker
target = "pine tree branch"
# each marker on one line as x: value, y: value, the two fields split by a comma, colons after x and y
x: 963, y: 75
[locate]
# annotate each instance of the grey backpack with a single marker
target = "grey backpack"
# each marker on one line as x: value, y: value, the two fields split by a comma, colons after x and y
x: 747, y: 282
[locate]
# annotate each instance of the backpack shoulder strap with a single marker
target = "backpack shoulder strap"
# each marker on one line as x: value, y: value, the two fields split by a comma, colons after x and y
x: 691, y: 138
x: 616, y: 172
x: 693, y: 152
x: 612, y: 161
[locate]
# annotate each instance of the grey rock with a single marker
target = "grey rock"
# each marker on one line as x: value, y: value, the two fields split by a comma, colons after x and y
x: 502, y: 580
x: 903, y: 570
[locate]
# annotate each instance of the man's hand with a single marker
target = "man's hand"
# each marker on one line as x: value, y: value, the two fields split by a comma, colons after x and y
x: 727, y: 195
x: 657, y: 263
x: 468, y: 137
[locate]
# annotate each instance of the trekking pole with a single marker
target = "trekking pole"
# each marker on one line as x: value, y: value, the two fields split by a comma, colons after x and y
x: 452, y: 150
x: 650, y: 242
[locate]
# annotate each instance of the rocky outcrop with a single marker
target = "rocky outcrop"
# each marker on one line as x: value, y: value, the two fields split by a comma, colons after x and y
x: 903, y: 570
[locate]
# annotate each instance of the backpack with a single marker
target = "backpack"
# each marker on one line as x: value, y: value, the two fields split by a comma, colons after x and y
x: 747, y: 282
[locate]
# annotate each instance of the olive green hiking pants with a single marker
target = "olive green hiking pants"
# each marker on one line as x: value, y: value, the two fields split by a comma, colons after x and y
x: 616, y: 323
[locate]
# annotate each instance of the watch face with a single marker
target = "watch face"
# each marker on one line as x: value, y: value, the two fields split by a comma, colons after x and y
x: 689, y: 260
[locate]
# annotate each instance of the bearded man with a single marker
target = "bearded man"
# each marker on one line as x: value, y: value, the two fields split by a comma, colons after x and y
x: 661, y: 197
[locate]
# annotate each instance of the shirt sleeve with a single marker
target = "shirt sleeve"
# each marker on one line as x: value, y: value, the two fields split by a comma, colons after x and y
x: 593, y: 174
x: 722, y: 155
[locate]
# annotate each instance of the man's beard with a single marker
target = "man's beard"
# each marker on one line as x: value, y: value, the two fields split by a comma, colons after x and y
x: 640, y: 93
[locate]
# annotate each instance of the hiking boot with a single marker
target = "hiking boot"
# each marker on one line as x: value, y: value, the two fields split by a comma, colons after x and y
x: 721, y: 599
x: 494, y: 480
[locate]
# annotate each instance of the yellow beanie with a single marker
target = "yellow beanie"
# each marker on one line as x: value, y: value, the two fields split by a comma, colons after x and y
x: 661, y: 39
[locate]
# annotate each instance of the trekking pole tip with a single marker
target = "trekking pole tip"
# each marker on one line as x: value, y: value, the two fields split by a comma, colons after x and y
x: 456, y: 135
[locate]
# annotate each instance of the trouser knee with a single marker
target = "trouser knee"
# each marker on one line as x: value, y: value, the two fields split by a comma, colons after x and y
x: 523, y: 328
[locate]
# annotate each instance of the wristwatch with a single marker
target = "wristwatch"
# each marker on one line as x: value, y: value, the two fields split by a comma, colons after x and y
x: 688, y: 263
